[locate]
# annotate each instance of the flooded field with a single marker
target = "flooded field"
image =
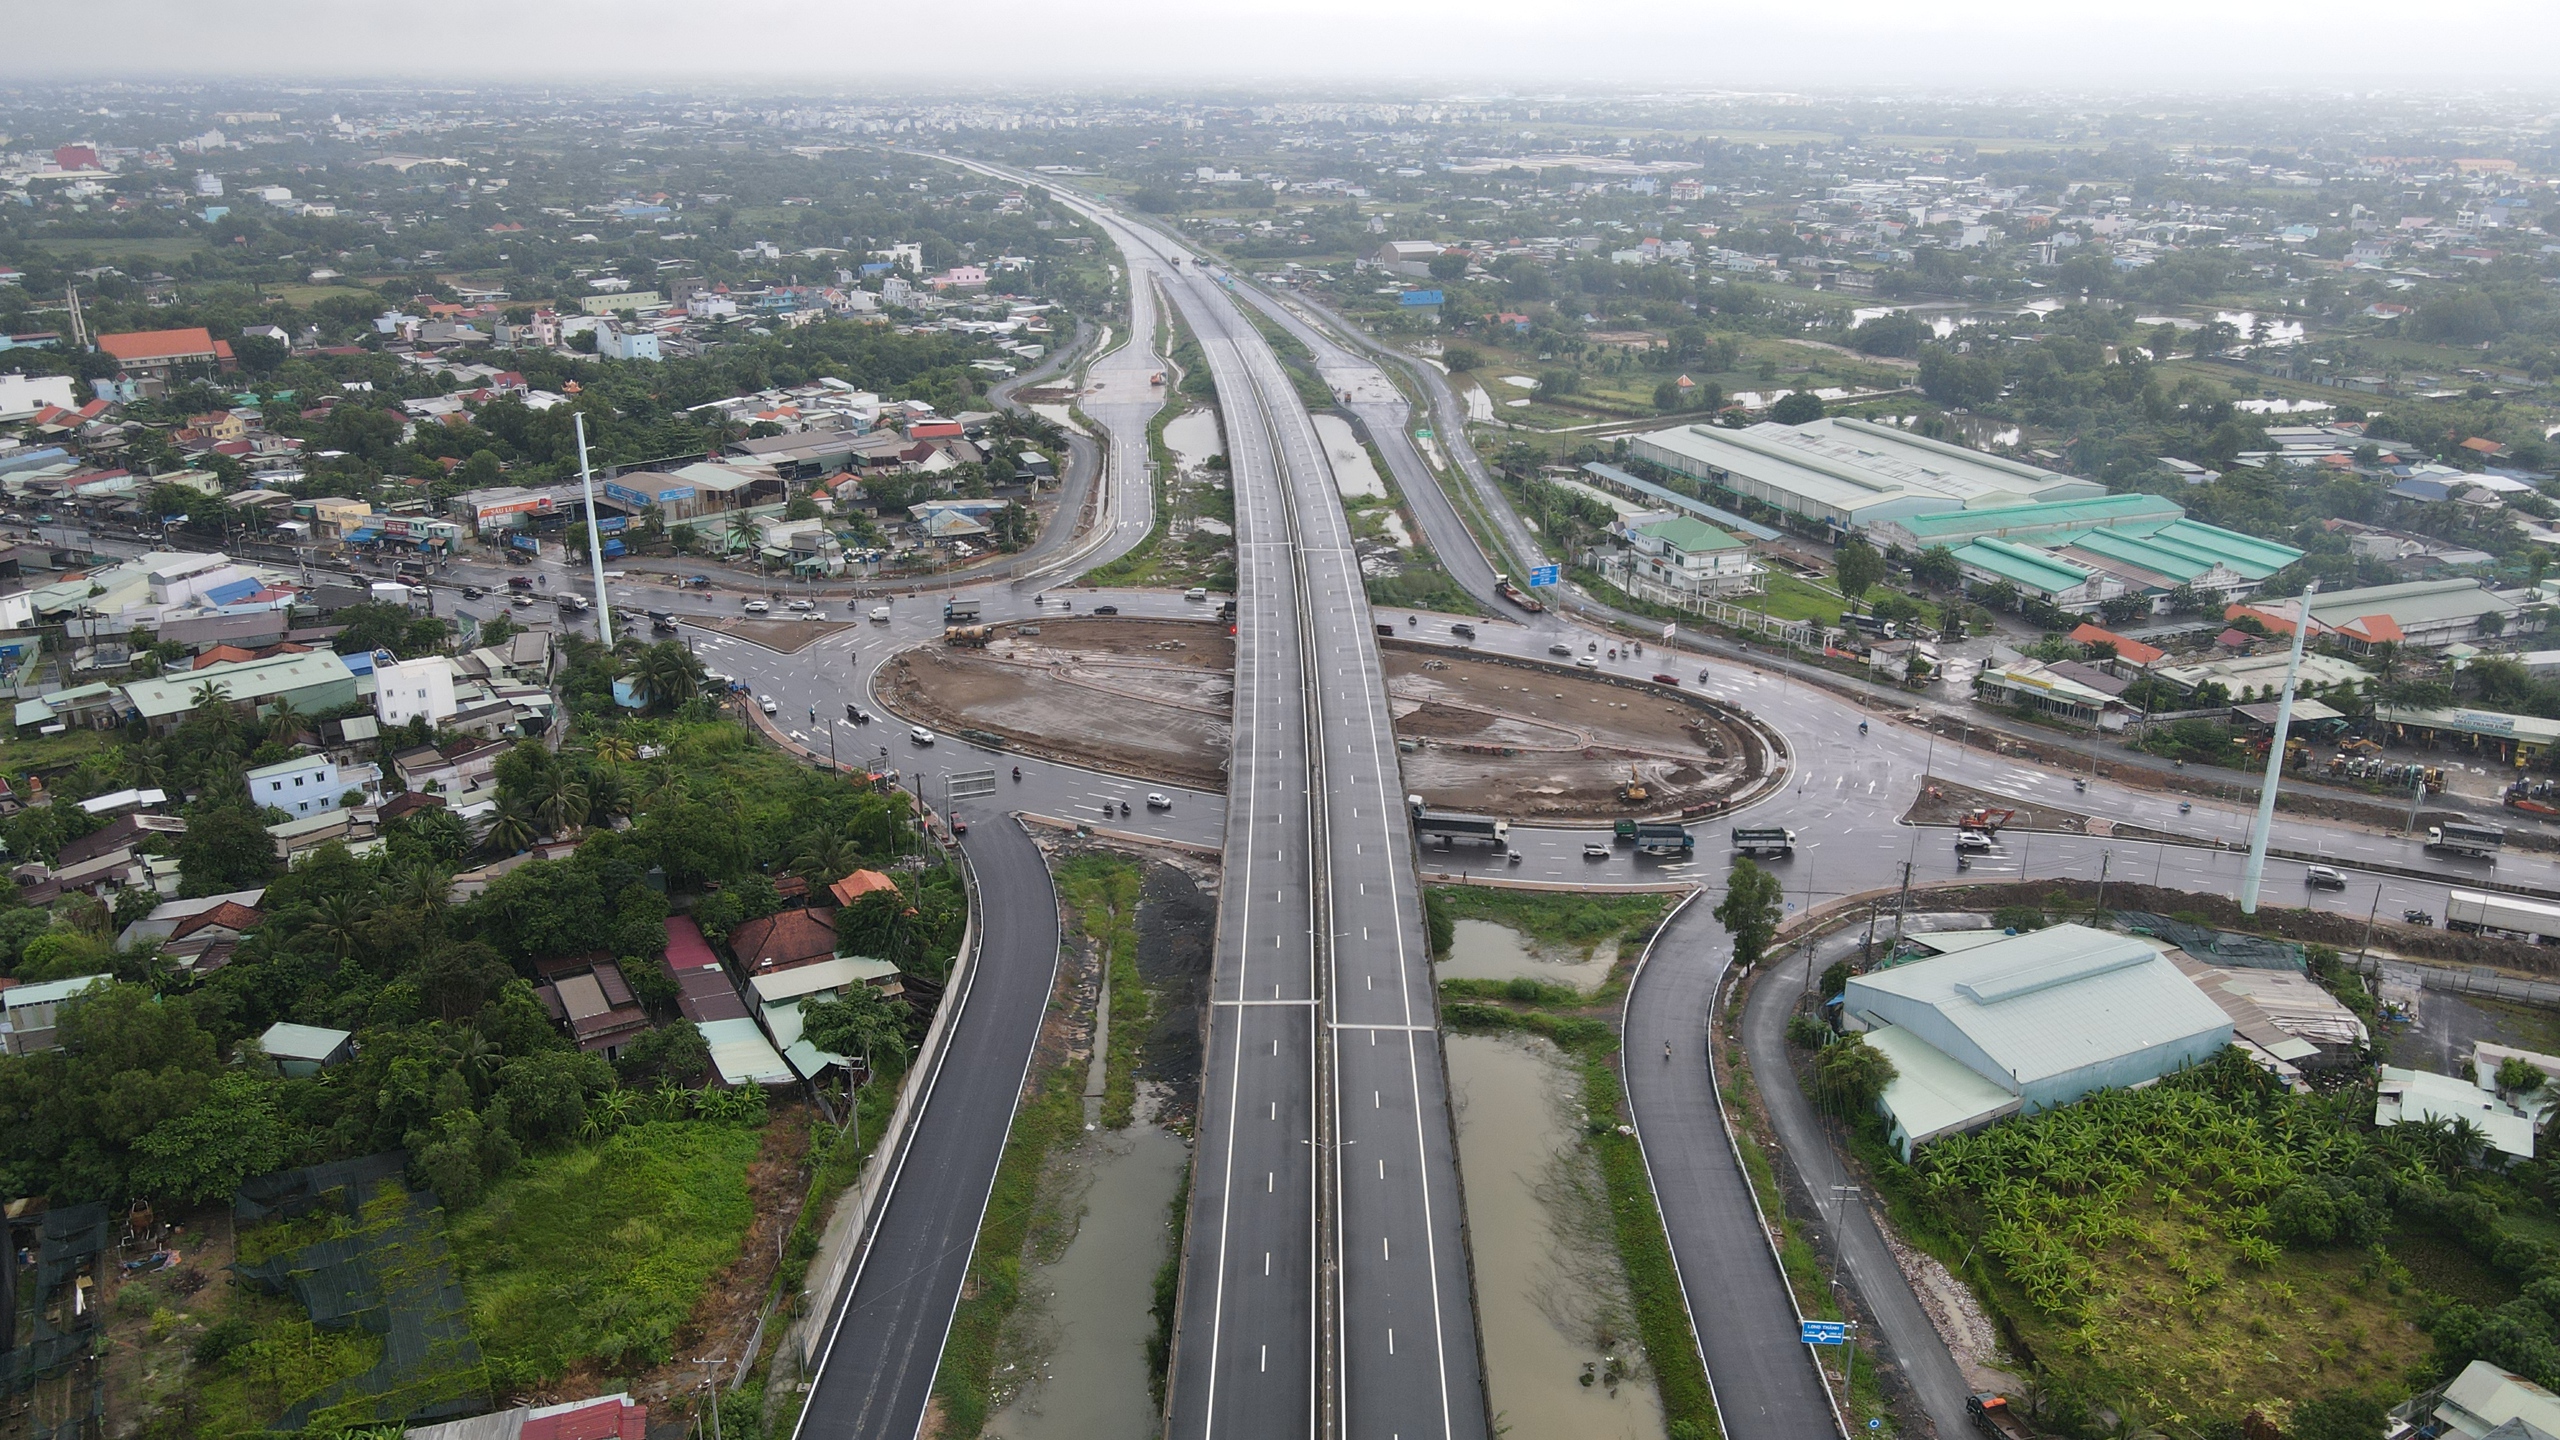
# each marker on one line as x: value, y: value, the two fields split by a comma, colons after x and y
x: 1482, y: 950
x: 1560, y: 1349
x: 1192, y: 436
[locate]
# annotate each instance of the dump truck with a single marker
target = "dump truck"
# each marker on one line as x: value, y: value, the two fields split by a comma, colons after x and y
x: 1503, y: 587
x: 2476, y: 912
x: 1450, y: 827
x: 2455, y: 837
x: 1993, y: 1417
x: 1772, y: 840
x: 1663, y: 838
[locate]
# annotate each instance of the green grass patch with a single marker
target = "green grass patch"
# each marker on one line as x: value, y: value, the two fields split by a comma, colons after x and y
x: 46, y: 754
x: 1789, y: 598
x: 1103, y: 891
x: 601, y: 1252
x: 835, y: 1160
x: 159, y: 247
x: 1295, y: 358
x: 1580, y: 922
x: 1050, y: 1122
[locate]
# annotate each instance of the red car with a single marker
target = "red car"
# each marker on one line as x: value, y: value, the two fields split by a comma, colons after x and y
x: 1666, y: 679
x: 959, y: 826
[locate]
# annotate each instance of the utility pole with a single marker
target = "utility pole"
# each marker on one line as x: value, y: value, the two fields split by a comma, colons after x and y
x: 711, y: 1382
x: 2365, y: 946
x: 1902, y: 906
x: 2257, y: 867
x: 2104, y: 856
x: 595, y: 540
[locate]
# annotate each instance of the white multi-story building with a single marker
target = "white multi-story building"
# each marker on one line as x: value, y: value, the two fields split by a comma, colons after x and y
x: 1678, y: 560
x: 303, y: 785
x: 406, y: 689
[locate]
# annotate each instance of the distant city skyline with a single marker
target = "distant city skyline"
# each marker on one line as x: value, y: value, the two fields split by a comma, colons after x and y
x: 1999, y: 44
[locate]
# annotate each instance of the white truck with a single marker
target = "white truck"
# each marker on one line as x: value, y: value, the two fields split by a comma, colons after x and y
x: 2478, y: 912
x: 2456, y: 837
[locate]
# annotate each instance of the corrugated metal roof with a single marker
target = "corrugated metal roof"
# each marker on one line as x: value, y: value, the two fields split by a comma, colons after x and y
x: 2054, y: 1001
x: 742, y: 1055
x: 2051, y: 515
x: 2022, y: 565
x: 1675, y: 499
x: 285, y: 1040
x: 1931, y: 1094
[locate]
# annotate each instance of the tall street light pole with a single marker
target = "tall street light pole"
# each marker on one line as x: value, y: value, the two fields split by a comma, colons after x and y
x: 2257, y: 867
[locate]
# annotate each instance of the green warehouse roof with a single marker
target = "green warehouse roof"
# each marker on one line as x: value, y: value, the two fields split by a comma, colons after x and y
x: 2247, y: 554
x: 2106, y: 510
x: 2022, y: 565
x: 1692, y: 537
x: 246, y: 680
x: 2137, y: 551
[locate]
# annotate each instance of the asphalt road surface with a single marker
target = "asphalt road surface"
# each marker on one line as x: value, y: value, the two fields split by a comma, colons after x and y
x: 885, y: 1339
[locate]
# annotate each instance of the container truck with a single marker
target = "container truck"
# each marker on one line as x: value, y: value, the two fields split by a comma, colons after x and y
x: 1663, y: 839
x: 1449, y: 827
x: 2477, y: 912
x: 1771, y: 840
x: 2455, y: 837
x: 1503, y: 587
x: 960, y: 612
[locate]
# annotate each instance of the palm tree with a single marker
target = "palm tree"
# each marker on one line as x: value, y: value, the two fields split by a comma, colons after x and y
x: 614, y: 749
x: 211, y: 704
x: 827, y: 854
x: 664, y: 676
x: 284, y: 723
x: 742, y: 531
x: 607, y: 796
x: 476, y: 1056
x: 338, y: 922
x: 146, y: 763
x: 423, y: 889
x: 510, y: 829
x: 564, y: 803
x: 666, y: 785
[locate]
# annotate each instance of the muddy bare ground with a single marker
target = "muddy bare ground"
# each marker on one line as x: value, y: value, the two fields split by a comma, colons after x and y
x: 1138, y: 697
x: 1573, y: 740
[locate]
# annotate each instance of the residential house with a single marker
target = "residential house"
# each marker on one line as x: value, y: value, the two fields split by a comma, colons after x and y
x: 591, y: 999
x: 165, y: 354
x: 303, y: 785
x: 783, y: 940
x: 302, y: 1051
x: 1679, y: 559
x: 29, y: 1013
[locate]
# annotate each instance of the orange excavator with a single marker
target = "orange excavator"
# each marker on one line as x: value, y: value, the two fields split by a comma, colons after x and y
x: 1986, y: 819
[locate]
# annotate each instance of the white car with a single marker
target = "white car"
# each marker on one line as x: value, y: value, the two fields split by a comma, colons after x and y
x: 1587, y: 662
x: 816, y: 615
x: 765, y: 703
x: 758, y: 607
x: 879, y: 614
x: 800, y: 605
x: 1158, y: 800
x: 1972, y: 840
x: 919, y: 734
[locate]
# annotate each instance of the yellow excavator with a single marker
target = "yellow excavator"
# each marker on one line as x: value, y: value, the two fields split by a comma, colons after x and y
x: 1634, y: 791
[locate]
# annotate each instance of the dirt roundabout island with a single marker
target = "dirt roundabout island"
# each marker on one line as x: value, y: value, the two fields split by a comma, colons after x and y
x: 1153, y: 699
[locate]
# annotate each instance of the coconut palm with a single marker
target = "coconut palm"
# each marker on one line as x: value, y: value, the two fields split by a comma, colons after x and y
x: 423, y: 889
x: 563, y: 805
x: 827, y: 854
x: 615, y: 748
x: 476, y: 1056
x: 338, y: 922
x: 284, y: 723
x: 608, y: 797
x: 664, y: 676
x: 510, y: 830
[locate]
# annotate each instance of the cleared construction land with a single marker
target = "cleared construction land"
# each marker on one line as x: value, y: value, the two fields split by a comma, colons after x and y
x: 1153, y: 698
x: 1149, y: 698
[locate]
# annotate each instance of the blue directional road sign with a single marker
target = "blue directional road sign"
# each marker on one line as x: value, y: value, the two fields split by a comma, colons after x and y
x: 1825, y: 1332
x: 1545, y: 574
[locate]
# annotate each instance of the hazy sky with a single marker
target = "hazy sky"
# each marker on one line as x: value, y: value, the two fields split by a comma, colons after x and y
x: 2024, y: 44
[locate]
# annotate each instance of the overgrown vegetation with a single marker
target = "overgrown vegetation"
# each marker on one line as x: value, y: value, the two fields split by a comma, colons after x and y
x: 600, y: 1252
x: 1102, y: 890
x: 2211, y: 1246
x: 1048, y: 1122
x: 1580, y: 921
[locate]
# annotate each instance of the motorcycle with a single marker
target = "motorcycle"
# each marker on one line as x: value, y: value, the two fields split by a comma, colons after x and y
x: 2185, y: 805
x: 1124, y: 807
x: 2080, y: 785
x: 1412, y: 620
x: 1862, y: 727
x: 1017, y: 774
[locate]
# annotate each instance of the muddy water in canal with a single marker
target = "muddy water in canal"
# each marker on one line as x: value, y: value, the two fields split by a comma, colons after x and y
x: 1560, y: 1346
x: 1482, y: 950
